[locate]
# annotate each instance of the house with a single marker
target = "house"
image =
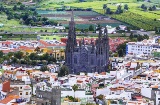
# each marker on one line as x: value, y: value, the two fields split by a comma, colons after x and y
x: 13, y: 100
x: 145, y: 47
x: 25, y: 91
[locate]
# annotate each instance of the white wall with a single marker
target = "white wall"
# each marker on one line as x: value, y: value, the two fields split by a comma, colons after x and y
x: 146, y: 92
x: 139, y: 50
x: 23, y: 91
x: 79, y: 94
x: 34, y: 90
x: 119, y: 74
x: 157, y: 98
x: 103, y: 91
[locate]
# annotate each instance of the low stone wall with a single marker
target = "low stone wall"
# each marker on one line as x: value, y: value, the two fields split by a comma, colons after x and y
x: 71, y: 103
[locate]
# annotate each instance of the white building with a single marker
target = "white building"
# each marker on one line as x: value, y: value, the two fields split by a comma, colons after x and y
x: 110, y: 29
x: 143, y: 47
x: 25, y: 91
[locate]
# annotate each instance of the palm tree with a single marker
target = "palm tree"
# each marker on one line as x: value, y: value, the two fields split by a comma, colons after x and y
x: 75, y: 88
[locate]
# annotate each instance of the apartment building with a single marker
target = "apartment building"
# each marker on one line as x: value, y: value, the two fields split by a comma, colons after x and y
x: 143, y: 47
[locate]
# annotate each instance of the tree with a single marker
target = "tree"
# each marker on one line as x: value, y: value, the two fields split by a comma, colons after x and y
x: 18, y: 55
x: 145, y: 37
x: 22, y: 7
x: 27, y: 60
x: 91, y: 28
x: 121, y: 49
x: 131, y: 36
x: 1, y: 60
x: 154, y: 8
x: 145, y: 8
x: 33, y: 62
x: 63, y: 71
x: 104, y: 7
x: 6, y: 58
x: 33, y: 56
x: 139, y: 38
x: 25, y: 16
x: 119, y: 10
x: 75, y: 88
x: 142, y: 6
x: 44, y: 68
x: 14, y: 60
x: 19, y: 3
x: 126, y: 7
x: 120, y: 53
x: 1, y: 54
x: 150, y: 9
x: 15, y: 7
x: 108, y: 11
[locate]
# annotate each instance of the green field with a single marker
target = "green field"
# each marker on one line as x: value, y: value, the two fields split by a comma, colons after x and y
x: 135, y: 16
x: 14, y: 26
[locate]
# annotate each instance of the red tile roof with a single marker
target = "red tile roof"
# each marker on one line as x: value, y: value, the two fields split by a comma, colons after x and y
x: 9, y: 98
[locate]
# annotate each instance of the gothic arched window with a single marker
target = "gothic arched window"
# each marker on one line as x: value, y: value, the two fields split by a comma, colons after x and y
x: 92, y: 61
x: 84, y: 58
x: 75, y: 59
x: 98, y: 62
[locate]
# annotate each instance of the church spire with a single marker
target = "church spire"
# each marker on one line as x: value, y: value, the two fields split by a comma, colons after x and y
x: 105, y: 31
x: 72, y: 16
x: 100, y: 33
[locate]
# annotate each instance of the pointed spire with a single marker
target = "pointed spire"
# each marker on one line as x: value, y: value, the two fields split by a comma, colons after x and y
x: 83, y: 41
x: 105, y: 31
x: 91, y: 41
x: 80, y: 43
x: 100, y: 32
x: 72, y: 16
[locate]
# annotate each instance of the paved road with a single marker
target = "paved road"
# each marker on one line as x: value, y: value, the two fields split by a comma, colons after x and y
x: 46, y: 33
x: 50, y: 33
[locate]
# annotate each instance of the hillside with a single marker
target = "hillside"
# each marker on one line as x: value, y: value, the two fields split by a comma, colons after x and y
x: 134, y: 16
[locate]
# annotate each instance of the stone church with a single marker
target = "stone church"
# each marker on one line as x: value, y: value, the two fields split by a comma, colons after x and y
x: 81, y: 57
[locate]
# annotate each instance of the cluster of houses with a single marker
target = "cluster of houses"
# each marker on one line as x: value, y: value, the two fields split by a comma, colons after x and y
x: 145, y: 47
x: 50, y: 46
x: 130, y: 82
x: 113, y: 42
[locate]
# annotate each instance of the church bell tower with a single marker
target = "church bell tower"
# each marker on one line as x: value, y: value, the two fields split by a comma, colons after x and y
x: 71, y: 43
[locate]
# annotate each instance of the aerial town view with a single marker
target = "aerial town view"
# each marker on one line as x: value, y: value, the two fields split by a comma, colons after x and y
x: 79, y: 52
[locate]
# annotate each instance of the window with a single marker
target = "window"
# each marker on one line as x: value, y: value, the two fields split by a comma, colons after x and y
x: 20, y: 87
x: 92, y: 61
x: 158, y: 98
x: 101, y: 62
x: 26, y: 93
x: 20, y: 93
x: 75, y: 60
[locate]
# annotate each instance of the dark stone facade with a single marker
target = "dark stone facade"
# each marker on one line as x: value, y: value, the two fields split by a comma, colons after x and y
x: 88, y: 58
x: 53, y: 96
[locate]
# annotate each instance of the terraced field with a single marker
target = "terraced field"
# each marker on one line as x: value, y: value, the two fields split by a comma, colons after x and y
x: 83, y: 18
x: 135, y: 16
